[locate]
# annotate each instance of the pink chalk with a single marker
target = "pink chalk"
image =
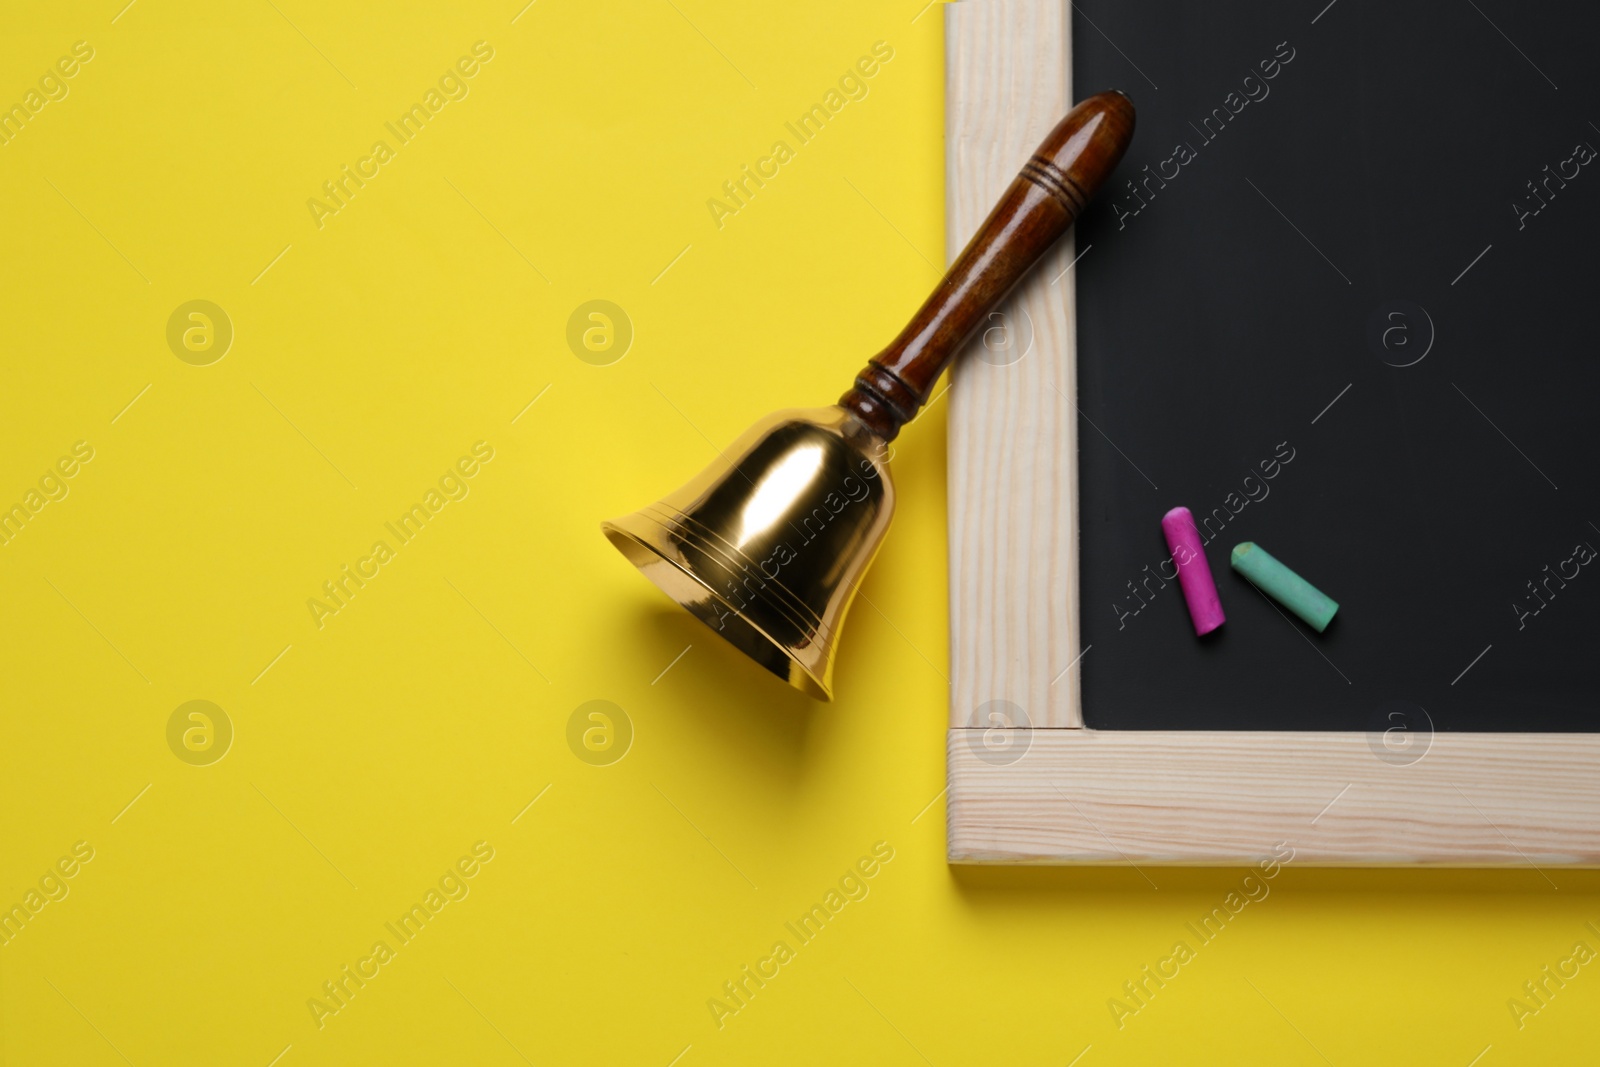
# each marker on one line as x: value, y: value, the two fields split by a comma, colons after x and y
x: 1194, y: 574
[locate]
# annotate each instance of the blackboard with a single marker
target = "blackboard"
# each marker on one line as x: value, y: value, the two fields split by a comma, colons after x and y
x: 1358, y: 252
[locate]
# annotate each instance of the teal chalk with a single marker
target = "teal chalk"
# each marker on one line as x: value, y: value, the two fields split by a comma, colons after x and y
x: 1284, y: 585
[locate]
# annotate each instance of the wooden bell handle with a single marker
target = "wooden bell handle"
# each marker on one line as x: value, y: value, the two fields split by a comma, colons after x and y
x: 1042, y: 201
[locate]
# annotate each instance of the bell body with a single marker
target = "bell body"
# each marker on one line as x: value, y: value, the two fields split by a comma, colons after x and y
x: 767, y: 545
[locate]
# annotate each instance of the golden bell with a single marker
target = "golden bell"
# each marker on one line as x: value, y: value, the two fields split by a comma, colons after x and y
x: 768, y: 544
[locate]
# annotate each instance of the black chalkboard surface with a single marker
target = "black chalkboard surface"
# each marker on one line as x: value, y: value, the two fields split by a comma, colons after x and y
x: 1340, y: 300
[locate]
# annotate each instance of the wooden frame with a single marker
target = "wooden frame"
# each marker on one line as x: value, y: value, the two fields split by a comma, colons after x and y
x: 1027, y: 782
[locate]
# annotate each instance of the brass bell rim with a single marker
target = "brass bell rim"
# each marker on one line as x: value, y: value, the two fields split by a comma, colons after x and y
x: 684, y: 527
x: 714, y: 544
x: 628, y: 541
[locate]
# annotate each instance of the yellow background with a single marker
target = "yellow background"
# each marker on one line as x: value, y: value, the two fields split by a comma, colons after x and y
x: 370, y: 754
